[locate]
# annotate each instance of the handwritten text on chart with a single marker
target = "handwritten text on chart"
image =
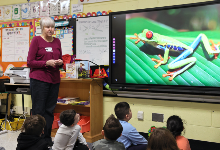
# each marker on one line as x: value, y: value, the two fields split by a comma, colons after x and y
x: 92, y: 38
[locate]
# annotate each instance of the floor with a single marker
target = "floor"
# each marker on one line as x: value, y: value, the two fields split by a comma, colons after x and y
x: 9, y: 140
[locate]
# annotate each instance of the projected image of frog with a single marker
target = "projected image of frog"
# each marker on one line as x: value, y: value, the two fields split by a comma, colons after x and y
x: 183, y: 61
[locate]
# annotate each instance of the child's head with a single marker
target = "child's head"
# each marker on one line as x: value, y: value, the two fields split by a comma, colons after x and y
x: 34, y: 125
x: 112, y: 128
x: 175, y: 125
x: 161, y: 139
x: 123, y: 111
x: 69, y: 117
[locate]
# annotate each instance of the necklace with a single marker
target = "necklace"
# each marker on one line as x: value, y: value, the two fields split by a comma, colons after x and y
x: 47, y: 39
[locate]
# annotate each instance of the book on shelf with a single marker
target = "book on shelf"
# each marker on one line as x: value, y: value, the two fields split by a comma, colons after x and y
x: 83, y: 68
x: 71, y: 70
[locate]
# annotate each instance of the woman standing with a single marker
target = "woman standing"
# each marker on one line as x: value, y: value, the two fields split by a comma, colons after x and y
x: 44, y: 59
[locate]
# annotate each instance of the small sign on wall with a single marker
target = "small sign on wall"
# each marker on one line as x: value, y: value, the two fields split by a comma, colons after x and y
x: 77, y: 8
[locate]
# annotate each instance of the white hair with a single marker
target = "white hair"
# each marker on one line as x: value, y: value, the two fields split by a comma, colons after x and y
x: 46, y: 21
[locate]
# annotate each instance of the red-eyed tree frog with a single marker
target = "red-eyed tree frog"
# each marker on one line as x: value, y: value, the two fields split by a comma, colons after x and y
x: 170, y: 44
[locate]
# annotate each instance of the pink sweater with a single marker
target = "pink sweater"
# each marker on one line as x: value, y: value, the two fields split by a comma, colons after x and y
x: 39, y: 52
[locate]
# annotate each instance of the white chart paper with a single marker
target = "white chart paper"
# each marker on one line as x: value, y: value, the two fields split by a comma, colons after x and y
x: 15, y: 44
x: 77, y: 8
x: 92, y: 38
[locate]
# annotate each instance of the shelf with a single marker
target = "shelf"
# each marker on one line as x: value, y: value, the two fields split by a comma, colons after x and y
x: 88, y: 80
x: 85, y: 89
x: 73, y: 105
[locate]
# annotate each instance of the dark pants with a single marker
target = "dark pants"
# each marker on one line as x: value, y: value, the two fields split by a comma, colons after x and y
x: 137, y: 147
x: 44, y: 98
x: 79, y: 146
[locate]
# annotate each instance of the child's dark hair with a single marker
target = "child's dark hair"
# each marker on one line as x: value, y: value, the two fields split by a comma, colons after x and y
x: 112, y: 128
x: 121, y: 110
x: 34, y: 125
x: 67, y: 117
x: 175, y: 125
x: 161, y: 139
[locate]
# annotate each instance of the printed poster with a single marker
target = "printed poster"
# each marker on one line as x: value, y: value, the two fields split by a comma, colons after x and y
x: 1, y: 13
x: 35, y: 10
x: 7, y: 12
x: 44, y: 9
x: 54, y: 7
x: 65, y: 36
x: 16, y: 12
x: 25, y: 11
x: 64, y: 7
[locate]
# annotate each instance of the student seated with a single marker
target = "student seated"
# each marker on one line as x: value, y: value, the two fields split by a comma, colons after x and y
x: 30, y: 136
x: 69, y: 132
x: 131, y: 139
x: 175, y: 125
x: 112, y: 131
x: 161, y: 139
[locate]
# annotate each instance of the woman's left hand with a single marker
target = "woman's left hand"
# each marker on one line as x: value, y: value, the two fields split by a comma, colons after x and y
x: 59, y: 62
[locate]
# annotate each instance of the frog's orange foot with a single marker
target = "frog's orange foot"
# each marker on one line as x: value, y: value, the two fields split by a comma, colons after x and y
x: 216, y: 56
x: 169, y: 74
x: 158, y: 60
x: 214, y: 48
x: 137, y: 38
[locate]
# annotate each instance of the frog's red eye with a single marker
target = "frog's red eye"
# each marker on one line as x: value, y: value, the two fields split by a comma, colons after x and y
x: 149, y: 34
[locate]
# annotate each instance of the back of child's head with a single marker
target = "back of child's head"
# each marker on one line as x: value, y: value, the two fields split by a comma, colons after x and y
x: 175, y: 125
x: 67, y: 117
x: 112, y: 128
x: 121, y: 110
x: 161, y: 139
x: 34, y: 125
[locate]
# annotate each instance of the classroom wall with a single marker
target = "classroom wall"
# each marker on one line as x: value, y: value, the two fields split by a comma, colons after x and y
x: 201, y: 119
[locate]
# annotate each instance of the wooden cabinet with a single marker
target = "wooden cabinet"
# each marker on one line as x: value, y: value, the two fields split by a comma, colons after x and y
x: 85, y: 89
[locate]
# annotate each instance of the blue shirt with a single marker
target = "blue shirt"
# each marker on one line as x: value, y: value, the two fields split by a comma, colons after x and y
x: 130, y: 135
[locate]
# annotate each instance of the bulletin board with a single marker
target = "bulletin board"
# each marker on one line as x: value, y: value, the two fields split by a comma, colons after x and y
x: 14, y: 26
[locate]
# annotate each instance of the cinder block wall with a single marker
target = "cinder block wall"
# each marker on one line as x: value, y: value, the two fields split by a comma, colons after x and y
x: 202, y: 120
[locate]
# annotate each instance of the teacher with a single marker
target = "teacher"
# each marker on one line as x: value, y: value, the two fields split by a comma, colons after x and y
x: 44, y: 59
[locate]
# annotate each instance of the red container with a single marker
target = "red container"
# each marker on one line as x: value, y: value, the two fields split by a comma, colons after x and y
x: 55, y: 125
x: 84, y: 123
x: 55, y: 121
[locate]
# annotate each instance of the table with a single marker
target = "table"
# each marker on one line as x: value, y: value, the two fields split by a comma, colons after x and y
x: 11, y: 89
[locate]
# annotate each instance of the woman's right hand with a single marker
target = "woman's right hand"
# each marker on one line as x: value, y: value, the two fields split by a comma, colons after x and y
x: 51, y: 63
